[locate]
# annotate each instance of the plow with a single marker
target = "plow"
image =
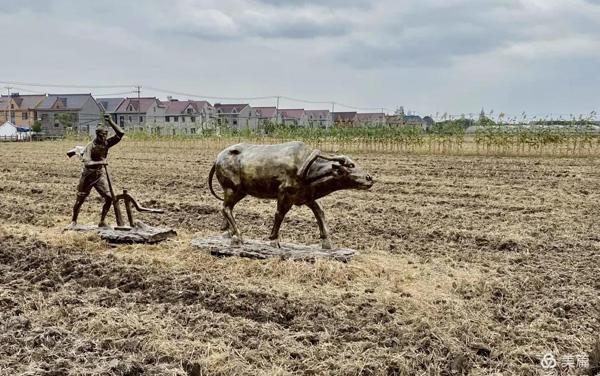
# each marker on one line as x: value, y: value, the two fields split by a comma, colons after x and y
x: 133, y: 231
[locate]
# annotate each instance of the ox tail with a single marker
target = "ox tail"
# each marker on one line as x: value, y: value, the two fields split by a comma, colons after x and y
x: 210, y: 179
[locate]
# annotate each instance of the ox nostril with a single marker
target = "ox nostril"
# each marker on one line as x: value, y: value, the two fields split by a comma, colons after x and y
x: 369, y: 178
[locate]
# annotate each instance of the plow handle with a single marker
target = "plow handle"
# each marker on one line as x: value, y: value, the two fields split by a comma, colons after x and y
x: 116, y: 206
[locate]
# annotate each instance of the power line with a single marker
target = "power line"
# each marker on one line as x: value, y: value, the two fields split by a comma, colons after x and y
x: 207, y: 96
x: 363, y: 108
x: 336, y: 103
x: 111, y: 94
x: 26, y: 90
x: 305, y: 100
x: 37, y: 84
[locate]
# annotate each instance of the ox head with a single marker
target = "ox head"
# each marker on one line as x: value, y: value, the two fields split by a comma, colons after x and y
x: 348, y: 175
x: 328, y: 174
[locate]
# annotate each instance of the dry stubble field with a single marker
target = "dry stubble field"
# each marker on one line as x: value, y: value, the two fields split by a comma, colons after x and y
x: 467, y: 265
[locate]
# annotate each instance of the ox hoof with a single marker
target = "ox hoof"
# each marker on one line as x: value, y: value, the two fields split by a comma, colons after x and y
x: 275, y: 244
x: 71, y: 226
x: 326, y: 244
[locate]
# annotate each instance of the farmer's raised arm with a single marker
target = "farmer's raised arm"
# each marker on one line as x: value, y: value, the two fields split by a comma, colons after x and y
x: 118, y: 131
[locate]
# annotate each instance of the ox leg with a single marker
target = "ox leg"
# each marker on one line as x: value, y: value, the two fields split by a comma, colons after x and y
x: 283, y: 207
x: 225, y: 228
x: 320, y: 216
x: 231, y: 198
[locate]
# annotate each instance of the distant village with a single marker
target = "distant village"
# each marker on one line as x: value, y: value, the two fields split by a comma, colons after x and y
x: 56, y: 114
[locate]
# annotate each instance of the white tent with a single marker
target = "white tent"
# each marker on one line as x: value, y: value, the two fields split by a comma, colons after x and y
x: 10, y: 132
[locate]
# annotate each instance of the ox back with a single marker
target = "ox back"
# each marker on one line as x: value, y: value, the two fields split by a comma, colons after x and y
x: 262, y: 170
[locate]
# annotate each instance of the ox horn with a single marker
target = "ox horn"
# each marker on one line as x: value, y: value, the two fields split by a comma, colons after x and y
x: 342, y: 159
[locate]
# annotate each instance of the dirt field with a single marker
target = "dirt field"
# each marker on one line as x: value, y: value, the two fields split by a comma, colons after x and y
x: 467, y: 265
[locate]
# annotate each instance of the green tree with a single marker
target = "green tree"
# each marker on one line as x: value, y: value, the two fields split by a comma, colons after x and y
x: 37, y: 126
x: 485, y: 121
x: 66, y: 119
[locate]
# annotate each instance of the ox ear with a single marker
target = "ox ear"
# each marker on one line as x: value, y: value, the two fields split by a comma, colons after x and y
x: 346, y: 162
x: 337, y: 169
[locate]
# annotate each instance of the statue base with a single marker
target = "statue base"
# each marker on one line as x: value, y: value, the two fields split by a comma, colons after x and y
x: 140, y: 233
x: 260, y: 249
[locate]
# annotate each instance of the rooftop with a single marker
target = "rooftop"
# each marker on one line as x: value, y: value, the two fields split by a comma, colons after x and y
x: 230, y: 107
x: 109, y: 104
x: 133, y: 105
x: 292, y: 113
x: 266, y: 112
x: 64, y: 101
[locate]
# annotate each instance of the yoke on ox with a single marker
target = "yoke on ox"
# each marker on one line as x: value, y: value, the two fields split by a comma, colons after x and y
x: 292, y: 173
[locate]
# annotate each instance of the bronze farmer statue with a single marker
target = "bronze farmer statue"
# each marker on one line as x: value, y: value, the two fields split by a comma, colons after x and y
x: 292, y: 173
x: 94, y: 161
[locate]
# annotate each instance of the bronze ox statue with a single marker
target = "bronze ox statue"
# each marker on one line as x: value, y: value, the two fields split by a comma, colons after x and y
x: 293, y: 173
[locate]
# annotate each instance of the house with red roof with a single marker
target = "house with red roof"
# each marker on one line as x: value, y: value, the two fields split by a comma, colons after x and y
x: 140, y: 114
x: 20, y: 110
x: 345, y: 119
x: 371, y: 119
x: 319, y: 118
x: 77, y: 112
x: 293, y: 116
x: 268, y: 115
x: 186, y: 117
x: 236, y: 116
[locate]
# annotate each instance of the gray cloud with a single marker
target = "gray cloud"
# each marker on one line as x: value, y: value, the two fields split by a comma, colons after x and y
x: 297, y: 27
x: 425, y: 45
x: 300, y: 30
x: 365, y: 4
x: 437, y: 35
x: 12, y: 7
x: 265, y: 21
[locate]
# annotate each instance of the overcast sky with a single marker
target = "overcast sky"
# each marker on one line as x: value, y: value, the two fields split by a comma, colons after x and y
x: 455, y: 56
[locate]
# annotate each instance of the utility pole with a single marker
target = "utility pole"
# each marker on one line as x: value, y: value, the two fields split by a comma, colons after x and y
x: 8, y: 103
x: 277, y: 111
x: 332, y: 111
x: 138, y: 89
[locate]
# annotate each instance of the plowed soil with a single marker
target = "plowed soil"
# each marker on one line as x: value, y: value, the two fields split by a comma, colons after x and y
x: 468, y: 265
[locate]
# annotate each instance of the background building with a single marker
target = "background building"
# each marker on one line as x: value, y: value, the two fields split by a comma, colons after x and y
x: 319, y: 118
x: 110, y: 106
x: 59, y: 113
x: 371, y: 119
x: 347, y: 119
x: 133, y: 113
x: 20, y: 110
x: 294, y: 117
x: 184, y: 117
x: 236, y: 116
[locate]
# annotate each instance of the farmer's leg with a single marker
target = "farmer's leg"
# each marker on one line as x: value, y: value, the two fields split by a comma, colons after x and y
x: 102, y: 188
x: 81, y: 196
x: 86, y: 182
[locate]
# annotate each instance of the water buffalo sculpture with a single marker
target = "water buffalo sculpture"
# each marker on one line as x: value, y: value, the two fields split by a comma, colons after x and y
x: 293, y: 173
